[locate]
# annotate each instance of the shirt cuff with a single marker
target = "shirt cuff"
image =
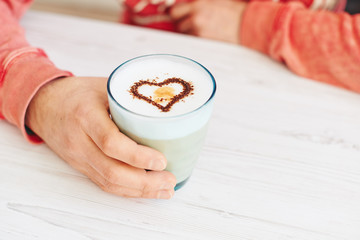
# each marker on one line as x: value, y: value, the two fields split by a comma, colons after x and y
x: 24, y: 73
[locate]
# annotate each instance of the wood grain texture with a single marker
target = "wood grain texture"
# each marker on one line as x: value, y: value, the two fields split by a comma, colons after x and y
x: 281, y: 159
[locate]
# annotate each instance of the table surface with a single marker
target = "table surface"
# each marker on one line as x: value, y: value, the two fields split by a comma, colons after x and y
x: 281, y: 160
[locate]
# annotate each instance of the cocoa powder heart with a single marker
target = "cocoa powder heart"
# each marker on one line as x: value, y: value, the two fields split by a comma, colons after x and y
x: 187, y: 90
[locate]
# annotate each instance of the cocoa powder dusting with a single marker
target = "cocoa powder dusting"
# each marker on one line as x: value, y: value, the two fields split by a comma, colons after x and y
x: 187, y: 90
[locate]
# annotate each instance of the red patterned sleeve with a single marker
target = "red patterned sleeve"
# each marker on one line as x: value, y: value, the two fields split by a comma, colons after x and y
x: 23, y: 68
x: 320, y: 45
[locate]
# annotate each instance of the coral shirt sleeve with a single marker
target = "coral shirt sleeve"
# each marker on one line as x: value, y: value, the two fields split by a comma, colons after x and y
x: 320, y: 45
x: 23, y: 69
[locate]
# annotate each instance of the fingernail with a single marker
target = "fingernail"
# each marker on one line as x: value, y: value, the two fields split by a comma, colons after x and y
x: 164, y: 194
x: 158, y: 164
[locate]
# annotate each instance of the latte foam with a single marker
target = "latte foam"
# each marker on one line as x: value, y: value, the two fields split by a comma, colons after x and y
x: 163, y: 86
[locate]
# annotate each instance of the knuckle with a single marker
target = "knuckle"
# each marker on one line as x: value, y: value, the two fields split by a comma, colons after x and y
x: 135, y: 160
x: 81, y: 111
x: 144, y: 183
x: 144, y: 195
x: 108, y: 187
x: 82, y: 114
x: 107, y: 143
x: 111, y: 177
x: 119, y: 190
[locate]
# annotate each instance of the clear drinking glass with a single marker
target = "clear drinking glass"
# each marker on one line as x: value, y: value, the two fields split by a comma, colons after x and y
x: 180, y: 137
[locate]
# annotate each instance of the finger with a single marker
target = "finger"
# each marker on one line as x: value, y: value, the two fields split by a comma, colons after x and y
x: 102, y: 130
x: 185, y: 26
x: 164, y: 193
x: 180, y: 11
x: 122, y: 179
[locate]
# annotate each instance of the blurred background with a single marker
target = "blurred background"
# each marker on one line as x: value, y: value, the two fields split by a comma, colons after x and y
x: 107, y: 10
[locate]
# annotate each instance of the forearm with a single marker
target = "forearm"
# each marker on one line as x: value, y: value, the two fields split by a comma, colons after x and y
x: 320, y: 45
x: 23, y: 69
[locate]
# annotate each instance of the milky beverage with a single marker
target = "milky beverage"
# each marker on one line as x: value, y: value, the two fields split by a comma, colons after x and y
x: 164, y: 102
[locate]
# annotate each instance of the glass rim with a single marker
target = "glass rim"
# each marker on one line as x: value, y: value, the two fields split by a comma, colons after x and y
x: 160, y: 117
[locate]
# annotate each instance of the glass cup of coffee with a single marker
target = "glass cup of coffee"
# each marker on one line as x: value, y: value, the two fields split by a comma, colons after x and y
x: 164, y: 101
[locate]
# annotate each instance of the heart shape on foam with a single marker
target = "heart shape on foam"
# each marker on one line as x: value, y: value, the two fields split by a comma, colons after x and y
x: 187, y: 90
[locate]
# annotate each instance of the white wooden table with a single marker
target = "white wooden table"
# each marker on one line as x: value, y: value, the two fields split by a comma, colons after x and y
x: 281, y: 160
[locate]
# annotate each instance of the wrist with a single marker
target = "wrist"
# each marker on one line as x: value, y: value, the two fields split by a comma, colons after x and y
x: 39, y: 105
